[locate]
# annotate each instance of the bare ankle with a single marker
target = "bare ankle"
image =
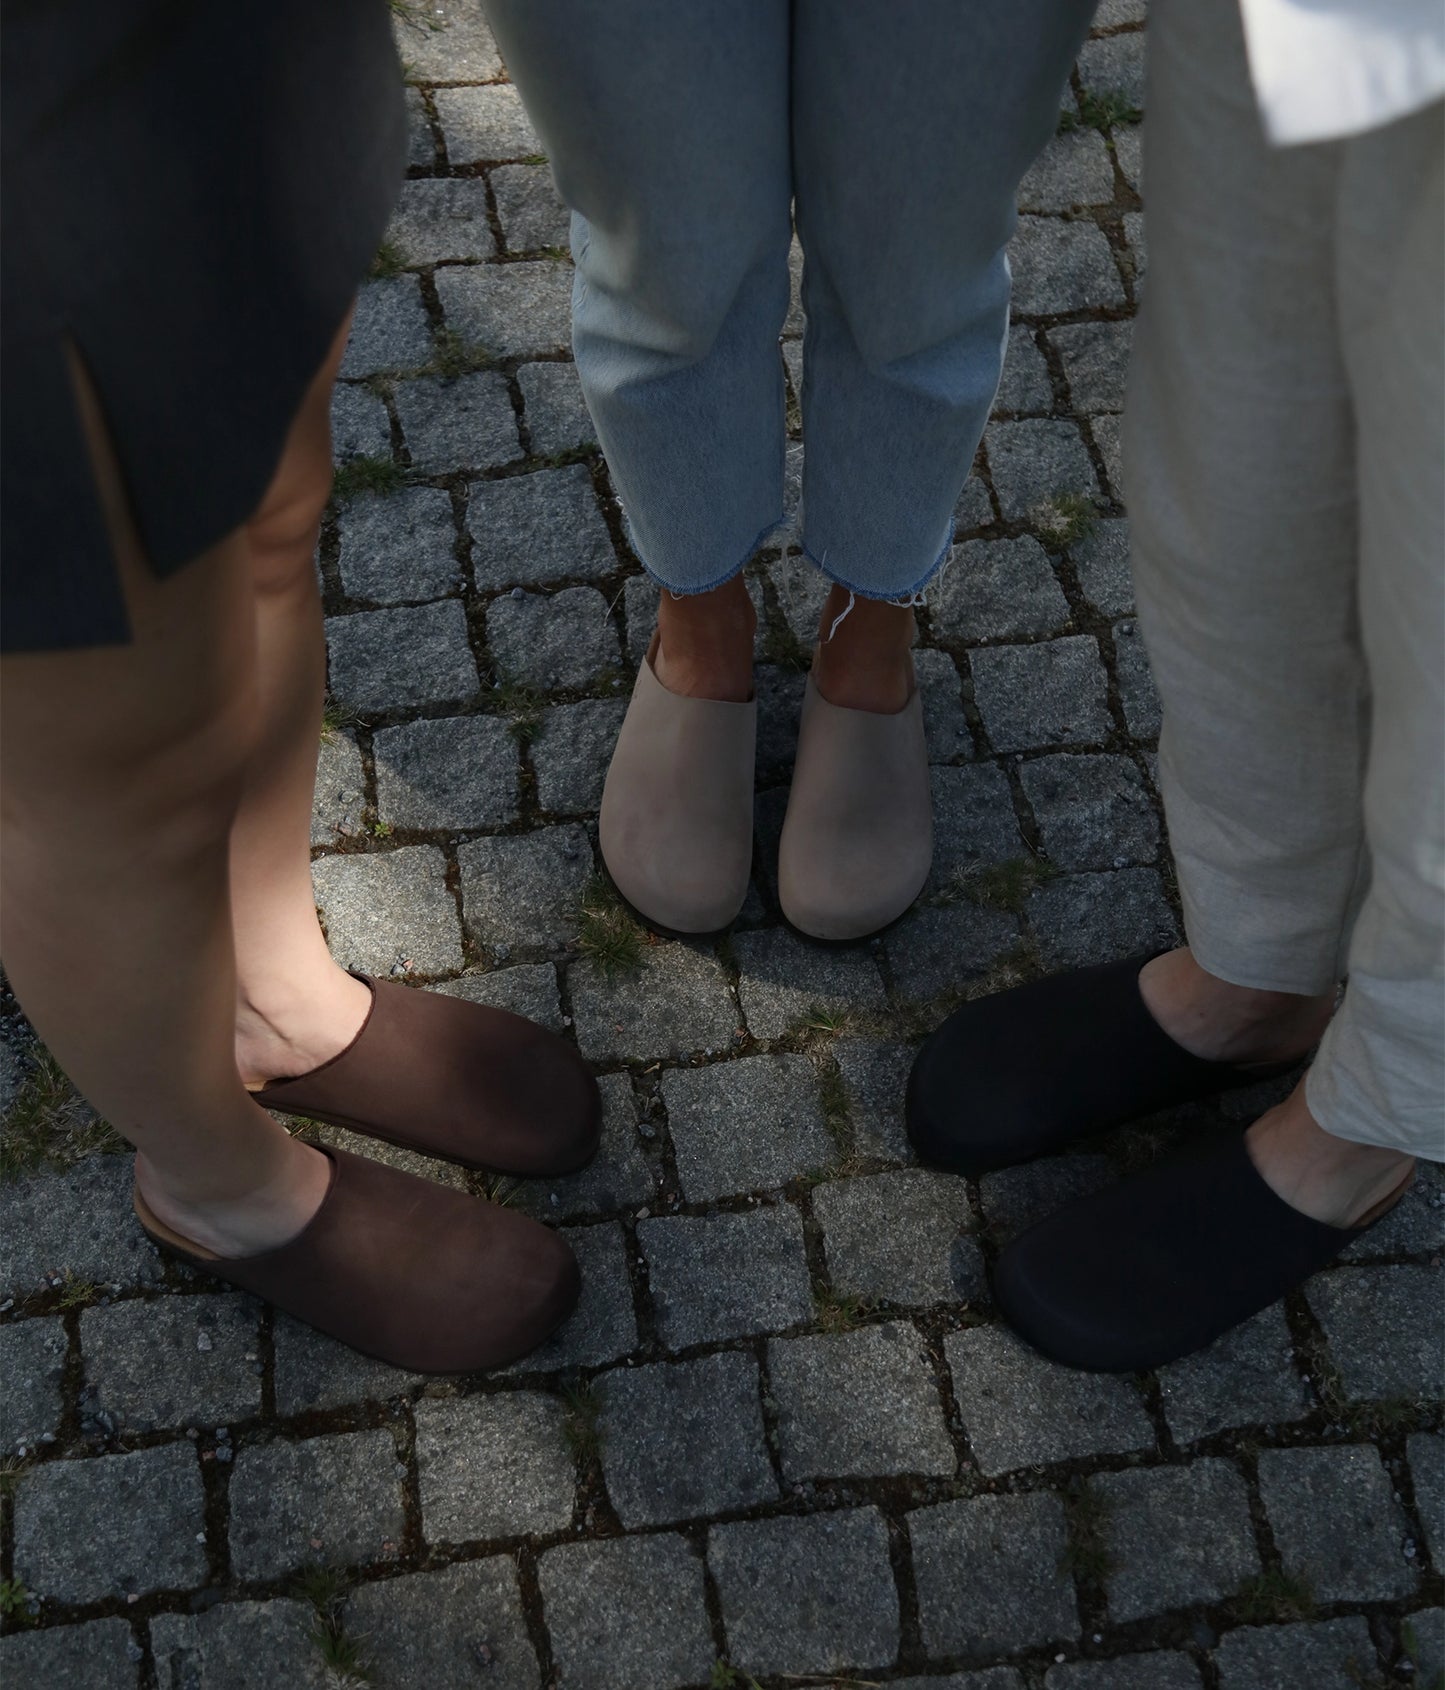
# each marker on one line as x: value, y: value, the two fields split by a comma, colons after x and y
x: 236, y: 1209
x: 705, y: 643
x: 1224, y: 1022
x: 286, y: 1026
x: 1335, y: 1180
x: 864, y: 659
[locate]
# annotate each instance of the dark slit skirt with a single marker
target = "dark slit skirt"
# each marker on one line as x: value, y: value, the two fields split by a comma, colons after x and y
x: 191, y: 191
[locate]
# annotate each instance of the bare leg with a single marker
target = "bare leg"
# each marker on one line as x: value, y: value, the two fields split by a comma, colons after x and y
x: 1226, y: 1023
x: 123, y: 770
x: 295, y: 1007
x: 864, y: 659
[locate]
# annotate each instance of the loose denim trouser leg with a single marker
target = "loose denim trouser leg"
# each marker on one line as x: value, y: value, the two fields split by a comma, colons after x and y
x: 680, y: 134
x: 1283, y: 467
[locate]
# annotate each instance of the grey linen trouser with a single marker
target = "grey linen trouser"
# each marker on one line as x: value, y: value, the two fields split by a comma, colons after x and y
x: 1285, y: 470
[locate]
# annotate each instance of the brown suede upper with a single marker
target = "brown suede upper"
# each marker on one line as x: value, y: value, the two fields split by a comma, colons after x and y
x: 458, y: 1080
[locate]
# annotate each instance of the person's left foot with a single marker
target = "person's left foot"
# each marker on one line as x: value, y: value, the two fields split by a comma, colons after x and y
x: 1159, y: 1265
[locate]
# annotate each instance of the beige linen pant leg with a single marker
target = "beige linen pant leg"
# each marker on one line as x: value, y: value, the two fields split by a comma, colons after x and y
x: 1283, y: 459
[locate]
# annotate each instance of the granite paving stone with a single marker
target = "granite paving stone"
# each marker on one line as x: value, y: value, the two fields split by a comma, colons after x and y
x: 98, y: 1654
x: 557, y: 414
x: 439, y: 220
x: 991, y: 1678
x: 1101, y: 560
x: 1336, y: 1523
x: 339, y: 811
x: 1024, y: 385
x: 603, y: 1327
x: 860, y: 1404
x: 314, y: 1373
x: 570, y: 751
x: 900, y: 1237
x: 456, y: 423
x: 460, y: 772
x: 1423, y: 1638
x: 421, y: 148
x: 173, y: 1363
x: 91, y: 1530
x: 1093, y: 812
x: 336, y: 1500
x: 1382, y: 1324
x: 780, y: 702
x: 402, y: 659
x: 1073, y: 169
x: 389, y: 911
x: 80, y: 1221
x: 1061, y: 266
x: 1020, y: 1410
x: 627, y: 1613
x: 494, y: 1466
x: 481, y: 125
x: 618, y: 1177
x: 873, y: 1073
x: 745, y: 1125
x: 1128, y: 139
x: 1107, y: 428
x: 1095, y: 357
x: 529, y: 209
x: 528, y: 989
x: 1135, y: 234
x: 1014, y: 1198
x: 999, y: 589
x: 1330, y: 1655
x: 552, y: 640
x: 683, y: 1440
x: 1415, y: 1226
x: 360, y: 427
x: 450, y: 42
x: 1157, y: 1670
x: 510, y: 310
x: 764, y: 1289
x: 1035, y: 460
x: 389, y: 331
x: 974, y: 824
x: 945, y: 726
x: 32, y: 1373
x: 525, y: 888
x: 1154, y: 1567
x: 538, y: 529
x: 933, y: 951
x: 1426, y: 1452
x: 1246, y: 1378
x: 988, y: 1575
x: 1137, y: 692
x: 783, y: 981
x: 677, y: 1002
x: 1033, y: 696
x: 431, y: 1628
x: 807, y: 1595
x: 974, y: 509
x: 1114, y: 64
x: 1088, y: 918
x: 239, y: 1646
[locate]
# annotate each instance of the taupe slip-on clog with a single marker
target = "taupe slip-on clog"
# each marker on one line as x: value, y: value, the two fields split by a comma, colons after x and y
x: 857, y: 840
x: 676, y: 824
x: 411, y: 1272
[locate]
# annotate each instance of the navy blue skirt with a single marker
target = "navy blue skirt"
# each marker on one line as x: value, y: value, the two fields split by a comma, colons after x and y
x: 191, y: 191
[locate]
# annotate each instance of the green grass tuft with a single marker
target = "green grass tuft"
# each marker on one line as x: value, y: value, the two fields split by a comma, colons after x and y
x: 390, y: 259
x: 580, y: 1428
x: 725, y: 1676
x: 1087, y: 1554
x: 1103, y: 111
x: 607, y: 933
x: 15, y: 1602
x: 366, y: 475
x: 49, y: 1124
x: 455, y: 356
x: 840, y: 1313
x: 522, y: 706
x: 1003, y: 886
x: 1063, y: 519
x: 324, y: 1589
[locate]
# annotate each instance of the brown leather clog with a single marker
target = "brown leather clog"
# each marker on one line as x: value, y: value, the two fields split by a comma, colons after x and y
x: 458, y: 1080
x: 413, y: 1273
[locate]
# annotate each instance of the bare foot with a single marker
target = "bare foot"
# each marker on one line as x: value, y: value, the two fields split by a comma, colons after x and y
x: 1331, y: 1179
x: 285, y: 1029
x: 705, y: 643
x: 294, y: 1179
x: 1225, y: 1023
x: 864, y: 659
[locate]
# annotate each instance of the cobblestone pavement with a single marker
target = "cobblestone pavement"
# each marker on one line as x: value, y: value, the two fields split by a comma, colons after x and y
x: 785, y: 1439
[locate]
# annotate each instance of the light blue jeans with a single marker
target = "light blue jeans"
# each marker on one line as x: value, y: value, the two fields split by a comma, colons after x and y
x: 685, y: 135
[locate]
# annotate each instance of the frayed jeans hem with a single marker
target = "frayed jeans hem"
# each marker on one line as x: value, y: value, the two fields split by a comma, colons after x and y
x: 906, y: 598
x: 722, y: 580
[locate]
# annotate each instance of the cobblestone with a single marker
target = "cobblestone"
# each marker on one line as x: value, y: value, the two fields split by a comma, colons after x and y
x: 1334, y: 1655
x: 1246, y: 1378
x: 1114, y: 64
x: 974, y: 824
x: 784, y: 981
x: 401, y: 659
x: 1154, y: 1671
x: 493, y: 1467
x: 1129, y: 150
x: 570, y: 753
x: 765, y: 1287
x: 1086, y: 918
x: 988, y: 1575
x: 421, y: 148
x: 945, y: 726
x: 528, y: 989
x: 459, y: 423
x: 1415, y: 1226
x: 510, y: 310
x: 1073, y: 169
x: 436, y: 221
x: 398, y: 548
x: 389, y: 910
x: 452, y: 42
x: 1424, y: 1640
x: 241, y: 1646
x: 874, y: 1072
x: 389, y: 331
x: 314, y: 1372
x: 557, y: 414
x: 1093, y: 812
x: 1156, y: 1567
x: 1137, y: 693
x: 525, y: 889
x: 72, y: 1657
x: 1059, y: 266
x: 458, y: 773
x: 482, y: 125
x: 1014, y: 1198
x: 1019, y: 1411
x: 80, y: 1222
x: 334, y: 1500
x: 340, y: 808
x: 1382, y: 1325
x: 1034, y: 461
x: 1024, y: 384
x: 32, y: 1370
x: 684, y: 1440
x: 1427, y: 1468
x: 1336, y: 1522
x: 553, y: 640
x: 429, y: 1628
x: 901, y: 1238
x: 176, y: 1362
x: 677, y: 1003
x: 359, y: 425
x: 859, y: 1405
x: 933, y: 951
x: 745, y: 1126
x: 604, y: 1326
x: 627, y: 1613
x: 1102, y: 561
x: 617, y: 1178
x: 1095, y: 357
x: 999, y: 589
x: 111, y: 1526
x: 529, y: 210
x: 538, y: 529
x: 1032, y: 696
x: 806, y: 1595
